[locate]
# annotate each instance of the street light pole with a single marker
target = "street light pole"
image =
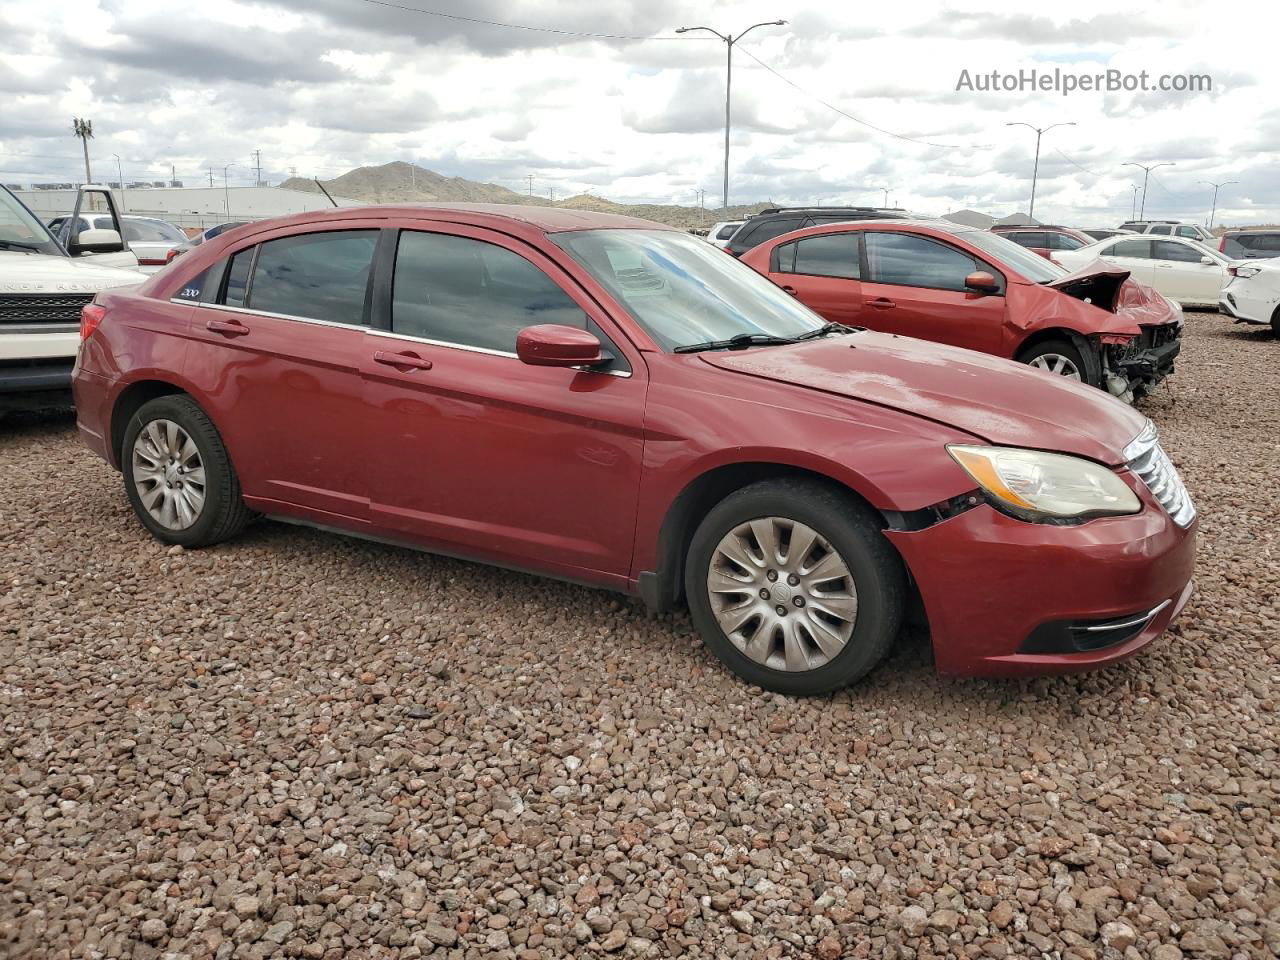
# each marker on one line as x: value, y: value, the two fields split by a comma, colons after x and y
x: 729, y: 40
x: 226, y: 190
x: 1035, y: 170
x: 1146, y: 174
x: 1224, y: 183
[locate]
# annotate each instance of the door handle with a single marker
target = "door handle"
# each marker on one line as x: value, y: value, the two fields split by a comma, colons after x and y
x: 409, y: 361
x: 790, y: 290
x: 232, y: 328
x: 881, y: 303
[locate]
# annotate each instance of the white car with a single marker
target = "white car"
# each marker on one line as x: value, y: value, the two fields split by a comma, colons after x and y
x: 1252, y: 293
x: 42, y: 290
x: 1191, y: 231
x: 150, y: 238
x: 721, y: 233
x: 1183, y: 270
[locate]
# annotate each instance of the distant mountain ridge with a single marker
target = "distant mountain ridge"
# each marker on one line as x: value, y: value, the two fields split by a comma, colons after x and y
x: 400, y: 182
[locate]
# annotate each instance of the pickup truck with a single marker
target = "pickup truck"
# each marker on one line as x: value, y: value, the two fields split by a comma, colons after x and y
x: 43, y: 286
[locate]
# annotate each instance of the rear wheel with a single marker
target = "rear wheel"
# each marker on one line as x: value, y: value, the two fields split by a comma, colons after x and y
x: 1063, y: 359
x: 792, y: 584
x: 178, y: 476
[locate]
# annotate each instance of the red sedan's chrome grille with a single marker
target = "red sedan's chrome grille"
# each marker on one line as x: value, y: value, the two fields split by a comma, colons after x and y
x: 39, y: 308
x: 1148, y: 460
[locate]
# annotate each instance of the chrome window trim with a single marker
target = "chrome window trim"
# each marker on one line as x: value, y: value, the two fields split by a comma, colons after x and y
x: 267, y: 313
x: 393, y: 335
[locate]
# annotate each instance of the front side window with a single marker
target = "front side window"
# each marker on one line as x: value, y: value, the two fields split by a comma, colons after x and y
x: 474, y: 294
x: 828, y: 255
x: 911, y: 261
x: 1135, y: 249
x: 317, y: 276
x: 1162, y: 229
x: 683, y: 291
x: 1167, y: 250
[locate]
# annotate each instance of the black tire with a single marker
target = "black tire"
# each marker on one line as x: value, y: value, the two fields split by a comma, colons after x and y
x: 1088, y: 364
x: 877, y: 572
x: 224, y: 513
x: 1275, y: 323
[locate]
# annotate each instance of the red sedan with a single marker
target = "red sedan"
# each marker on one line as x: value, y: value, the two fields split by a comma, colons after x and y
x: 609, y: 401
x: 971, y: 288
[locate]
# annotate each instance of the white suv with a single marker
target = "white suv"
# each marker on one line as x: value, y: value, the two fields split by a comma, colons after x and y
x: 42, y: 290
x: 1192, y: 231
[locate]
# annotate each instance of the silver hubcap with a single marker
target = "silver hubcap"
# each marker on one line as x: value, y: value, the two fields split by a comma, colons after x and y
x: 1058, y: 364
x: 168, y: 474
x: 782, y: 594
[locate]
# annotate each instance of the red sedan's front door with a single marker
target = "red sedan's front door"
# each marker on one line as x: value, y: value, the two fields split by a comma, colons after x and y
x: 914, y: 286
x: 474, y: 451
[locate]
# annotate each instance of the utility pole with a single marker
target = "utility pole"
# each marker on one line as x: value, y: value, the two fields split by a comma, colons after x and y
x: 257, y: 166
x: 84, y: 130
x: 1035, y: 170
x: 211, y: 176
x: 173, y: 174
x: 553, y: 194
x: 120, y: 174
x: 1133, y: 214
x: 729, y: 40
x: 531, y: 184
x: 1215, y: 186
x: 1146, y: 174
x: 226, y: 189
x: 293, y: 171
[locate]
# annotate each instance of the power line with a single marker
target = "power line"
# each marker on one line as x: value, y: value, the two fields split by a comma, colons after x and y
x: 519, y: 26
x: 1076, y: 165
x: 849, y: 116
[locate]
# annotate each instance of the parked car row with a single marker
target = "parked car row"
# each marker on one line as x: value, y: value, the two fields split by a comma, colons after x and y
x: 614, y: 402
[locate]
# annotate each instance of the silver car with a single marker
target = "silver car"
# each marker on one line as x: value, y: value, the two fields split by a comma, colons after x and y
x: 150, y: 238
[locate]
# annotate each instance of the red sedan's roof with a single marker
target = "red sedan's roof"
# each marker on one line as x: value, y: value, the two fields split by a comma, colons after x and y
x: 529, y: 216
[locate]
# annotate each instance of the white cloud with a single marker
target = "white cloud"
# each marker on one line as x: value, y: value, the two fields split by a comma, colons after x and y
x: 325, y: 85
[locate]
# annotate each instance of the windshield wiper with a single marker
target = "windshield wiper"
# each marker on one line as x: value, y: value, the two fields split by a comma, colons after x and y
x: 737, y: 342
x: 16, y: 245
x: 827, y: 328
x: 743, y: 340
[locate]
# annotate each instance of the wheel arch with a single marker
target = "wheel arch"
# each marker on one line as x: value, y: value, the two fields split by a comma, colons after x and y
x: 1088, y: 349
x: 128, y: 402
x: 663, y: 588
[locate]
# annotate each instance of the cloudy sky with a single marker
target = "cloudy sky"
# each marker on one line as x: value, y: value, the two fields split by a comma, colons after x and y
x: 320, y: 86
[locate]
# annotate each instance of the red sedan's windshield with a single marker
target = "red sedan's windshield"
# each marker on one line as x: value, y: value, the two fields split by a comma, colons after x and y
x: 1005, y: 252
x: 684, y: 291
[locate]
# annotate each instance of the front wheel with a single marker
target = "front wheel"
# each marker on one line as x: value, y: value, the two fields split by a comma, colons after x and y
x: 1275, y: 323
x: 1064, y: 359
x: 178, y: 476
x: 792, y: 584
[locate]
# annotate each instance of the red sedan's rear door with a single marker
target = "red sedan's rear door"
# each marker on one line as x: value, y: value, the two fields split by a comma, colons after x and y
x: 914, y: 286
x: 275, y: 356
x: 478, y: 453
x: 822, y: 273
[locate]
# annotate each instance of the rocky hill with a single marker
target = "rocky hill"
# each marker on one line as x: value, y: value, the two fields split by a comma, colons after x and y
x: 409, y: 183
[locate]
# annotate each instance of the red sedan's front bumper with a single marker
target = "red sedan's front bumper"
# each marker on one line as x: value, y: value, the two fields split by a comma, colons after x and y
x: 989, y: 582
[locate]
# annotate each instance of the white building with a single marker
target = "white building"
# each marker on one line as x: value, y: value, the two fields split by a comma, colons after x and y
x: 198, y: 207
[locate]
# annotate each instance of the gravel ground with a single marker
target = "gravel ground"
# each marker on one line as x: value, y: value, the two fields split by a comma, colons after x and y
x: 298, y: 744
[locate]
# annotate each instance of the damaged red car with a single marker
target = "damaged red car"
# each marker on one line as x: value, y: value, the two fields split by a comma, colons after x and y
x: 612, y: 402
x: 972, y: 288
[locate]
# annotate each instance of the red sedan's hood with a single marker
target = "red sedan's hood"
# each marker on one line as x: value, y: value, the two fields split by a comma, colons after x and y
x: 999, y: 401
x: 1111, y: 289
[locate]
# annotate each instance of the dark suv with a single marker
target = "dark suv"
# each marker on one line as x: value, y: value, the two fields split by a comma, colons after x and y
x: 775, y: 221
x: 1250, y: 244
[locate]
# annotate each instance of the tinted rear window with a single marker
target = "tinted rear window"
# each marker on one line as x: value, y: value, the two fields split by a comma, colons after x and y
x: 752, y: 235
x: 1263, y: 244
x: 319, y: 276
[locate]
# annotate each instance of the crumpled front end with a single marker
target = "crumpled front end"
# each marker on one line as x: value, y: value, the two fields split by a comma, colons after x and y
x: 1133, y: 366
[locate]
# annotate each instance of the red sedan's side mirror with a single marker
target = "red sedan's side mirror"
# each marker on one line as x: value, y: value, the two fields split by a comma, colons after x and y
x: 556, y: 345
x: 982, y: 282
